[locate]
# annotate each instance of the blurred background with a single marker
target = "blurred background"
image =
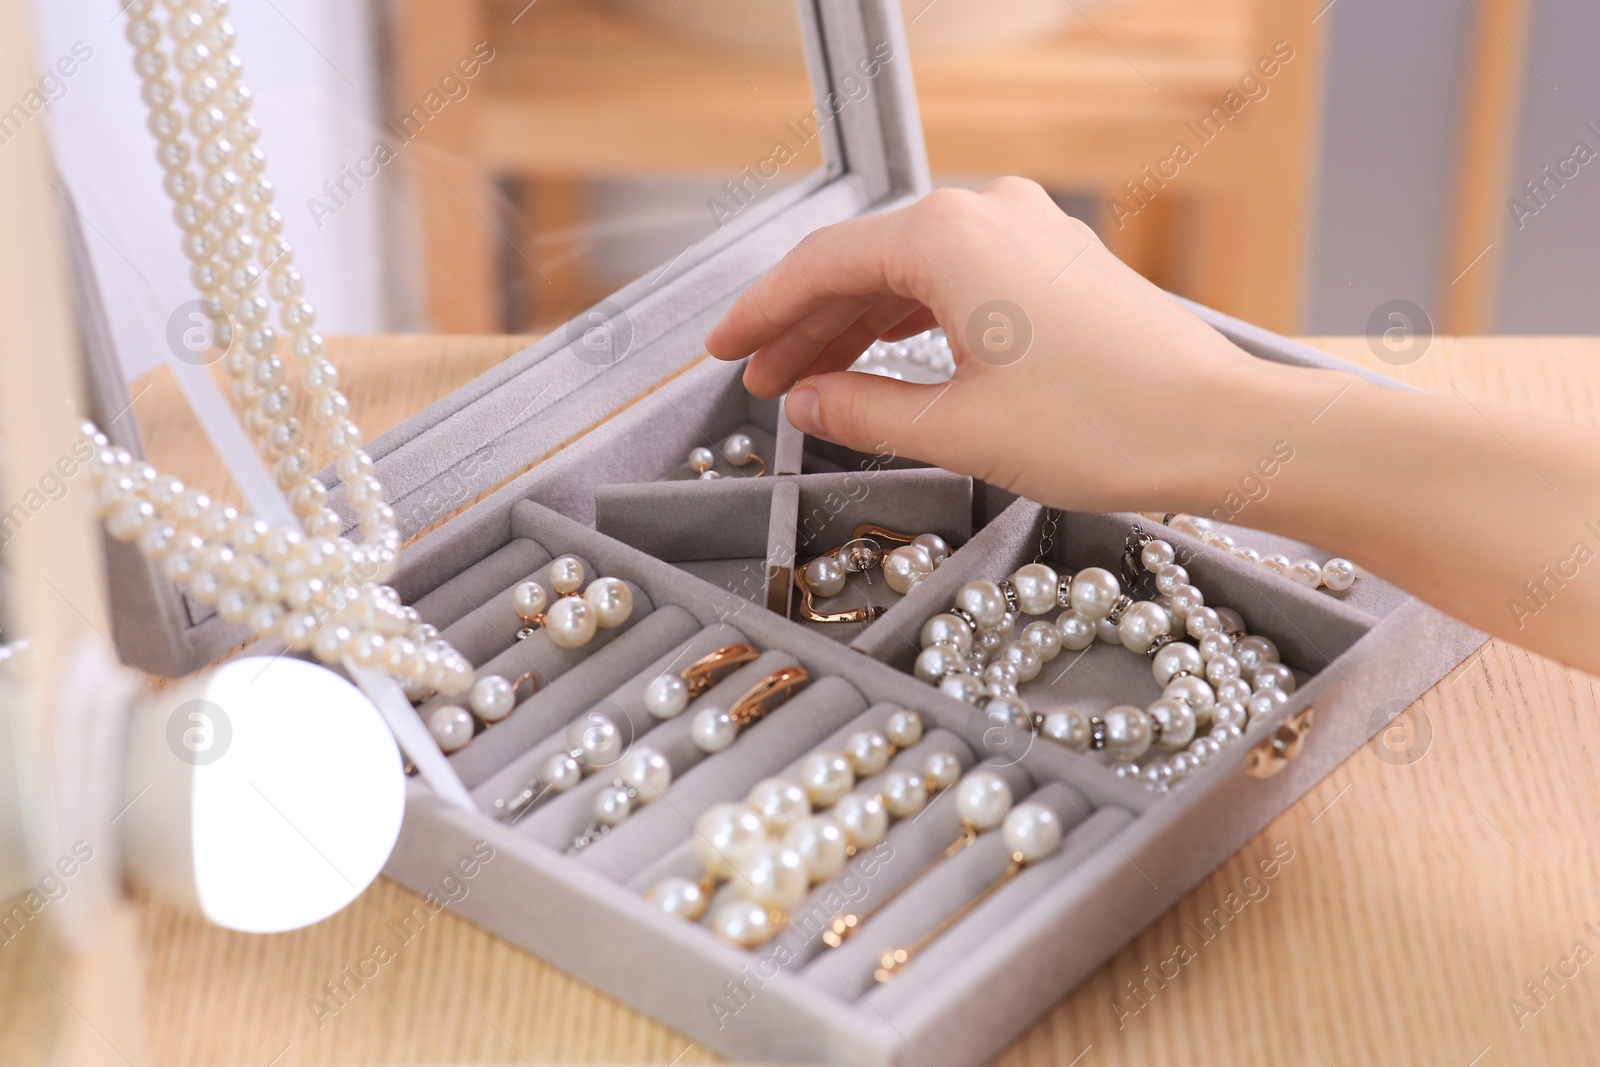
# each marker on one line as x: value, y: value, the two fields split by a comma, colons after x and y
x: 489, y: 166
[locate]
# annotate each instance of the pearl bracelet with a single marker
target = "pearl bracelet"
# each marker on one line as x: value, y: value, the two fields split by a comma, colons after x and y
x: 1213, y: 684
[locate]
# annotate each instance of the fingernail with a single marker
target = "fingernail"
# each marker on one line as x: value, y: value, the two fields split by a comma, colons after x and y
x: 804, y: 408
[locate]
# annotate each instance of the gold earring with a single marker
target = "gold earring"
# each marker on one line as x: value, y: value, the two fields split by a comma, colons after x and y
x: 668, y: 695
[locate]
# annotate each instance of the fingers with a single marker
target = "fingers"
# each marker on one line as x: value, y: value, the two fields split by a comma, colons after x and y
x: 871, y: 413
x: 863, y: 259
x: 797, y: 354
x: 919, y: 321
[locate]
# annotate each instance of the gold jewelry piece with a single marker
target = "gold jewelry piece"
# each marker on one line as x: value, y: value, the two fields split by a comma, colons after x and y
x: 714, y: 729
x: 916, y: 557
x: 982, y: 800
x: 668, y: 695
x: 737, y: 449
x: 1032, y: 833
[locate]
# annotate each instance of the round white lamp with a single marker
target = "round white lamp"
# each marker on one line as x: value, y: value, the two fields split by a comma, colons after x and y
x: 267, y: 794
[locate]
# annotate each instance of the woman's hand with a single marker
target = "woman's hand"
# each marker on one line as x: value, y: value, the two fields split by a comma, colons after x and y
x: 1078, y: 383
x: 1081, y: 385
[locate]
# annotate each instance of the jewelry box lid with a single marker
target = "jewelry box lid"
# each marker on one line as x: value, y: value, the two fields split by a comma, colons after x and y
x: 543, y: 398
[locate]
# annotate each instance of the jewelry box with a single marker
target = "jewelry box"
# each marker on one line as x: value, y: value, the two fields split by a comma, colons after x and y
x: 575, y: 448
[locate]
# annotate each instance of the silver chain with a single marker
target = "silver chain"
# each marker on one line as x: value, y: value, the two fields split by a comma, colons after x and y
x: 1047, y: 536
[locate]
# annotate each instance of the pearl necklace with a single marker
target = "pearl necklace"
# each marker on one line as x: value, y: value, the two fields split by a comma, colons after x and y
x: 310, y: 586
x: 1213, y: 685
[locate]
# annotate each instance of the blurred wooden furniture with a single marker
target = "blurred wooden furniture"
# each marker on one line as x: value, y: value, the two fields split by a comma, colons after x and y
x: 1419, y: 900
x: 577, y: 92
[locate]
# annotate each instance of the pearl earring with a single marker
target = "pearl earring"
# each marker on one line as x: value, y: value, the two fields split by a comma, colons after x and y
x: 713, y: 729
x: 1337, y: 574
x: 793, y: 833
x: 593, y: 742
x: 903, y: 567
x: 737, y: 448
x: 643, y: 776
x: 667, y: 695
x: 490, y: 700
x: 983, y: 799
x: 1032, y: 832
x: 573, y: 619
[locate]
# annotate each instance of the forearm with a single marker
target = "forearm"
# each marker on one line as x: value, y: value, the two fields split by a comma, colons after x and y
x: 1490, y: 514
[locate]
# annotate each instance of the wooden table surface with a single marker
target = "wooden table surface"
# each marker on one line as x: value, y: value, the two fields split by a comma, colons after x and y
x: 1427, y: 886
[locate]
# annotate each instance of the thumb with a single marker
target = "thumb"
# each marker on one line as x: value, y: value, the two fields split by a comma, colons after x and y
x: 871, y: 413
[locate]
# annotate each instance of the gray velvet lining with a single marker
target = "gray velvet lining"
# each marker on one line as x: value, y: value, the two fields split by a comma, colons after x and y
x: 475, y: 586
x: 561, y: 693
x: 935, y: 888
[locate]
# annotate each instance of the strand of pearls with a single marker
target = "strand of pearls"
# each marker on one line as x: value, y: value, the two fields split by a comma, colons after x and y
x: 1337, y: 574
x: 315, y: 589
x: 1216, y: 677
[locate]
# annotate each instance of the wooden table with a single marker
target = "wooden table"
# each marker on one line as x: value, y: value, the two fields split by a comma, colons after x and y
x: 1421, y: 897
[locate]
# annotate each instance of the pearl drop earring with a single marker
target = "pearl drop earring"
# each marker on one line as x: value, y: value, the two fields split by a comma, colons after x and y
x: 1032, y: 832
x: 573, y: 619
x: 813, y: 818
x: 643, y: 776
x: 593, y: 742
x: 983, y: 799
x: 914, y: 558
x: 490, y: 700
x: 668, y: 695
x: 737, y: 448
x: 713, y: 729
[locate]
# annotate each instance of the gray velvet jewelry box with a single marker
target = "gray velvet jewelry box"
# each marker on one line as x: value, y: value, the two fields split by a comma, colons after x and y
x: 562, y: 438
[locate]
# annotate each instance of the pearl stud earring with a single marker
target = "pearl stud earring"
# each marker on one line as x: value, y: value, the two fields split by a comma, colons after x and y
x: 913, y: 559
x: 667, y: 695
x: 573, y: 619
x: 1032, y: 832
x: 490, y: 700
x: 737, y: 448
